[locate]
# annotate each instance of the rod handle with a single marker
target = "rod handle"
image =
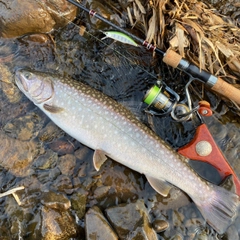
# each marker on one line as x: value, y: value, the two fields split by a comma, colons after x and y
x: 172, y: 58
x: 227, y: 90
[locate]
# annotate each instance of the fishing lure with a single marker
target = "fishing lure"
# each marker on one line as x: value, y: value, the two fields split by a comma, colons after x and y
x: 120, y: 37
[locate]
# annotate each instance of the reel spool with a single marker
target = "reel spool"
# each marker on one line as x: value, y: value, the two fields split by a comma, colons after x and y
x: 162, y: 100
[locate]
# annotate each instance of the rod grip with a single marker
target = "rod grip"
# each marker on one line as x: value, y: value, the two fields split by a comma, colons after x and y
x: 227, y: 90
x: 172, y: 58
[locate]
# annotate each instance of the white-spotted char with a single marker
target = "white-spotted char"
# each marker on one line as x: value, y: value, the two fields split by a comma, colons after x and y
x: 111, y: 130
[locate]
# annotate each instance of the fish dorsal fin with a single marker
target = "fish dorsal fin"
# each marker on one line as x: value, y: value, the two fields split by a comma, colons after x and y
x: 99, y: 158
x: 52, y: 108
x: 160, y: 186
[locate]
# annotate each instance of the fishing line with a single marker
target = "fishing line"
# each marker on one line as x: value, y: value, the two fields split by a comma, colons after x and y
x: 83, y: 30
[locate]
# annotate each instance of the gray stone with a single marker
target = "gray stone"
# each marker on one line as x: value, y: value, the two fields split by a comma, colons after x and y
x: 97, y: 227
x: 128, y: 218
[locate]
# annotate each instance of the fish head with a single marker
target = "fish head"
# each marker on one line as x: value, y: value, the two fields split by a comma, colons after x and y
x: 34, y: 85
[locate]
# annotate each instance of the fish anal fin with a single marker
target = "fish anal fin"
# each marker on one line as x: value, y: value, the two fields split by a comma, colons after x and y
x: 160, y: 186
x: 99, y: 158
x: 52, y: 108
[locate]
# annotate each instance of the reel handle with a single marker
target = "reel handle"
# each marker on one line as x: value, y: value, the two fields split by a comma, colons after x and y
x: 216, y: 84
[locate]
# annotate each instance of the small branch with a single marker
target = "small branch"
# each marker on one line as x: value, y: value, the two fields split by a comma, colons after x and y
x: 13, y: 192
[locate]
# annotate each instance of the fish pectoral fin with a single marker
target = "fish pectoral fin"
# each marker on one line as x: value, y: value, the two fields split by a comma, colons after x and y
x: 52, y: 108
x: 99, y: 158
x: 160, y: 186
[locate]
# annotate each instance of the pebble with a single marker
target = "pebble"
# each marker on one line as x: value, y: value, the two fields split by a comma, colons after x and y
x: 160, y: 225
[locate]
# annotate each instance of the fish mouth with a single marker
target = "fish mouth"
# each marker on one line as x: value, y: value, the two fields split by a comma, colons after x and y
x: 20, y: 80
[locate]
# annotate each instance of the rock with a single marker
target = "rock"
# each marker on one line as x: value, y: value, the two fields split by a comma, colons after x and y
x: 160, y: 225
x: 63, y: 184
x: 50, y: 132
x: 97, y: 227
x: 22, y: 17
x: 18, y: 155
x: 24, y: 128
x: 48, y: 176
x: 128, y: 218
x: 66, y: 164
x: 64, y: 145
x: 57, y: 225
x: 56, y: 201
x: 10, y: 90
x: 46, y: 161
x: 101, y: 192
x: 78, y: 201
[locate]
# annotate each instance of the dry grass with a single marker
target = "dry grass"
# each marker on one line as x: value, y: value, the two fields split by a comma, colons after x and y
x: 194, y: 30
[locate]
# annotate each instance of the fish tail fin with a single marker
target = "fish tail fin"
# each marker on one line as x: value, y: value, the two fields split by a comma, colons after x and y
x: 220, y: 208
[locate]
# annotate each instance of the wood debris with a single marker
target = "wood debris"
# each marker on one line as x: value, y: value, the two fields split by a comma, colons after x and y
x: 195, y: 30
x: 13, y: 192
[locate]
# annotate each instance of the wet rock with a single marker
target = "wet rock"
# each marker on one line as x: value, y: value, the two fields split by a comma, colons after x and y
x: 64, y: 146
x: 18, y: 155
x: 57, y: 225
x: 97, y: 227
x: 46, y: 160
x: 63, y: 184
x: 10, y: 90
x: 66, y: 164
x: 177, y: 237
x: 128, y: 218
x: 82, y: 153
x: 160, y: 225
x: 78, y: 201
x: 48, y: 176
x: 24, y: 128
x: 101, y: 191
x: 22, y: 17
x: 50, y: 132
x: 56, y: 201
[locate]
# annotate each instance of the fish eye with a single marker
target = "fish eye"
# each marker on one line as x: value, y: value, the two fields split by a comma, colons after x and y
x: 27, y: 75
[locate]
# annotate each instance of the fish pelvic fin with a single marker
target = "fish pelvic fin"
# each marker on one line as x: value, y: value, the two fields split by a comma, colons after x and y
x: 160, y: 186
x: 99, y: 158
x: 220, y: 209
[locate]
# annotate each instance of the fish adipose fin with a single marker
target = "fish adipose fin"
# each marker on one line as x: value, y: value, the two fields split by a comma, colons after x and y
x: 219, y: 209
x: 160, y: 186
x: 99, y: 158
x: 52, y: 108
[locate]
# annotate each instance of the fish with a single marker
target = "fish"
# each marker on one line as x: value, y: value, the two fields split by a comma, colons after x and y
x: 120, y: 37
x: 111, y: 130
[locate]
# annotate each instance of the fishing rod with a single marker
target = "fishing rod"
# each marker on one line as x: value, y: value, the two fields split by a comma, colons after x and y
x: 175, y: 60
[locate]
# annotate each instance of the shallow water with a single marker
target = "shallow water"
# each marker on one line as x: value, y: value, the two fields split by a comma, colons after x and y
x: 37, y: 154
